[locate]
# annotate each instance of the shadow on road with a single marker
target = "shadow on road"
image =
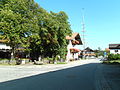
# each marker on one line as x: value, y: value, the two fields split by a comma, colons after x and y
x: 76, y: 78
x: 112, y: 75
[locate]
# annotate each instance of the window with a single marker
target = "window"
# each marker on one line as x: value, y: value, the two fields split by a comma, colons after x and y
x: 116, y: 50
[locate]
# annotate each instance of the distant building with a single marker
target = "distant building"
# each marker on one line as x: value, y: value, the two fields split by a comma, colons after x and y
x: 114, y: 48
x: 107, y: 49
x: 88, y: 52
x: 5, y: 51
x: 72, y: 52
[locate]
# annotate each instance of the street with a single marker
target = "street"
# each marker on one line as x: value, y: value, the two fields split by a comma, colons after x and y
x: 82, y: 76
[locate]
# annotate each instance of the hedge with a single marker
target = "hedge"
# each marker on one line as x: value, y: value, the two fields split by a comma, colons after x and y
x: 114, y: 57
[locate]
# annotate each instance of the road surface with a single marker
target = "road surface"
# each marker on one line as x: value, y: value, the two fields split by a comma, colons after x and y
x: 81, y: 76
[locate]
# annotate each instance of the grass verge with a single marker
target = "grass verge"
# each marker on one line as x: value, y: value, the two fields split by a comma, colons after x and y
x: 61, y: 63
x: 111, y: 62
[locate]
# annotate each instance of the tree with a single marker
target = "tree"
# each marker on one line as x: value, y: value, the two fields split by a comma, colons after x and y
x: 99, y: 52
x: 18, y: 21
x: 25, y: 24
x: 53, y: 28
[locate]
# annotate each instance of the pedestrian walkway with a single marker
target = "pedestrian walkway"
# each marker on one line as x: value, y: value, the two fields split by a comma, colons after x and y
x: 20, y: 71
x: 76, y: 75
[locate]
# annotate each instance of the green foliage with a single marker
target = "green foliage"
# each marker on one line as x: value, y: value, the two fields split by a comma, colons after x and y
x: 61, y: 63
x: 114, y: 57
x: 3, y: 59
x: 18, y: 21
x: 50, y: 59
x: 25, y: 24
x: 99, y: 52
x: 112, y: 62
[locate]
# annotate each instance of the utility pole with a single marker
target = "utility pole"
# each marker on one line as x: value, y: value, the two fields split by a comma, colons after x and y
x: 83, y: 30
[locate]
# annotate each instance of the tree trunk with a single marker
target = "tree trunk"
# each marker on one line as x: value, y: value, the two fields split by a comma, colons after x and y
x: 12, y: 55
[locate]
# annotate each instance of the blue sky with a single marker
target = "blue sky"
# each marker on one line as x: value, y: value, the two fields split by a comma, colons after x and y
x: 102, y: 19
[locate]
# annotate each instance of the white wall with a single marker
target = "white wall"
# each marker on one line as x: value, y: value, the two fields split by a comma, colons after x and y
x: 75, y: 55
x: 69, y: 55
x: 112, y: 51
x: 4, y: 46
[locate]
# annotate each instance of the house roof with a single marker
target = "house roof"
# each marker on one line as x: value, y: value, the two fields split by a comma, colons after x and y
x: 75, y: 35
x: 107, y: 49
x: 76, y: 39
x: 88, y: 49
x: 3, y: 41
x: 114, y: 46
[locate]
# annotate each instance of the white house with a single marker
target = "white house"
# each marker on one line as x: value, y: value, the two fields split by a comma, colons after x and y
x: 114, y: 48
x: 88, y: 52
x: 72, y: 51
x: 4, y: 50
x: 4, y: 47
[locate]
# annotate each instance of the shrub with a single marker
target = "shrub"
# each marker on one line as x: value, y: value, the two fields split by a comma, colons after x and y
x: 114, y: 57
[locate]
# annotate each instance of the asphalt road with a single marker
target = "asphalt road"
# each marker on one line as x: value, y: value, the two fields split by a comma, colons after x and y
x: 80, y: 77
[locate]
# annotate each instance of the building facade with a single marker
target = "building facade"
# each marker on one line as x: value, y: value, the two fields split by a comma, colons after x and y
x: 72, y: 52
x: 114, y: 48
x: 5, y: 51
